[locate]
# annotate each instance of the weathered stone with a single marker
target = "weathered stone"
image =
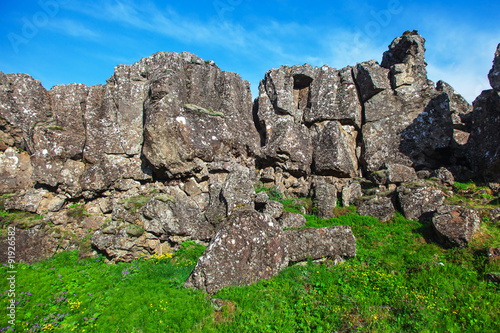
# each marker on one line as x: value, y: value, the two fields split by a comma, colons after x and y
x: 28, y: 201
x: 15, y: 171
x: 334, y: 149
x: 398, y: 173
x: 455, y: 225
x: 333, y: 97
x: 288, y: 145
x: 494, y: 74
x: 420, y: 201
x: 261, y: 198
x: 495, y: 214
x: 350, y: 193
x: 325, y: 199
x: 194, y: 110
x: 378, y: 206
x: 191, y: 187
x: 274, y: 209
x: 291, y: 220
x: 176, y: 215
x: 238, y: 191
x: 23, y: 104
x: 371, y: 79
x: 406, y: 60
x: 250, y: 246
x: 319, y: 243
x: 444, y: 175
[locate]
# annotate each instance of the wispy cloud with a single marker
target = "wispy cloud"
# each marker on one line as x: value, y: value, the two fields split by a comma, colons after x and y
x: 72, y: 28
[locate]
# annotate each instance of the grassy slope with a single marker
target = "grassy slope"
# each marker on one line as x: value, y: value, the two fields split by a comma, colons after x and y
x: 400, y: 281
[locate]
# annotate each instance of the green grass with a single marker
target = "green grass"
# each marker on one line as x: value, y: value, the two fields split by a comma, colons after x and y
x: 400, y: 281
x: 20, y: 219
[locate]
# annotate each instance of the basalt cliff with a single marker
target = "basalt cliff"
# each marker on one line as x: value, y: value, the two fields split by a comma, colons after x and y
x: 171, y: 148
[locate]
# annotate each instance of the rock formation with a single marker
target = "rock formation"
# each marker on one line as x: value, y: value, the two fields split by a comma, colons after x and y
x: 170, y: 148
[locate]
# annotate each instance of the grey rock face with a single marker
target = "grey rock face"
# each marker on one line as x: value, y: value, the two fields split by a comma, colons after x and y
x: 293, y: 98
x: 417, y: 202
x: 167, y: 112
x: 319, y: 243
x: 456, y: 225
x: 334, y: 149
x: 238, y: 191
x: 379, y: 207
x: 494, y: 74
x: 250, y: 246
x: 194, y: 111
x: 27, y: 202
x: 483, y: 147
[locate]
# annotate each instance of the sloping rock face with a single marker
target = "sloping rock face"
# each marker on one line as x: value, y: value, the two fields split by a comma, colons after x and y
x: 252, y: 246
x: 494, y: 74
x: 168, y: 114
x: 456, y: 225
x: 483, y: 147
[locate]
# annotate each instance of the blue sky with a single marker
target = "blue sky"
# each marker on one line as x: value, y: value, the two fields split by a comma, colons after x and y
x: 67, y: 41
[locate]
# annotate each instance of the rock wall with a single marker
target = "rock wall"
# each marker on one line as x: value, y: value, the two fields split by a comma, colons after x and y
x: 171, y: 147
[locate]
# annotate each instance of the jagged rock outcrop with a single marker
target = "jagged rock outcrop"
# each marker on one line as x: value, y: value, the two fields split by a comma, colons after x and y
x: 494, y: 74
x: 456, y: 225
x: 169, y: 113
x: 170, y: 148
x: 313, y: 243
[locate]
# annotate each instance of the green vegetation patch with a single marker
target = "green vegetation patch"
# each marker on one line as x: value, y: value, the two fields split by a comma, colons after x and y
x: 133, y: 204
x: 400, y: 281
x: 77, y: 211
x: 22, y: 220
x: 202, y: 110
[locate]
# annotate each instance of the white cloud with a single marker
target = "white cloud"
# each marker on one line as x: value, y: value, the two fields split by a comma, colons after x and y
x: 72, y: 28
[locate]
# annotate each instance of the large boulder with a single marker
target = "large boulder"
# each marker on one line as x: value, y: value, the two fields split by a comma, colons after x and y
x: 455, y: 225
x: 379, y: 206
x: 250, y: 246
x: 312, y: 243
x: 494, y: 74
x: 419, y: 201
